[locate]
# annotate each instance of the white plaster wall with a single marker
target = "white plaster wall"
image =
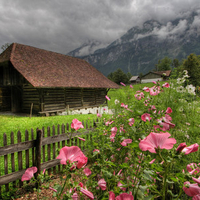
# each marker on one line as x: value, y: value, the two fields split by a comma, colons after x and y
x: 151, y: 80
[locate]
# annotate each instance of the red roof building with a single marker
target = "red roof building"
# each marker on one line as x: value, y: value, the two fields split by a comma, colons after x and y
x: 46, y: 81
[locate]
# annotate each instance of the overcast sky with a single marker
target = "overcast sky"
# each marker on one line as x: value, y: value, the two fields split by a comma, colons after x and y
x: 63, y: 25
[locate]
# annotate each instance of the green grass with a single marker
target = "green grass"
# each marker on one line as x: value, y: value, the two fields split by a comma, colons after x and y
x: 14, y: 124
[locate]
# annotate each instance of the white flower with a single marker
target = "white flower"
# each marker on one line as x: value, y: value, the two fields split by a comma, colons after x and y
x: 185, y: 72
x: 116, y: 101
x: 190, y: 89
x: 181, y: 109
x: 180, y: 89
x: 187, y: 136
x: 183, y: 100
x: 186, y: 76
x: 180, y: 80
x: 172, y: 86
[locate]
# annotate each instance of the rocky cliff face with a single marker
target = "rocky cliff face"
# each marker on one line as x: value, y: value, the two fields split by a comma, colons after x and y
x: 140, y: 48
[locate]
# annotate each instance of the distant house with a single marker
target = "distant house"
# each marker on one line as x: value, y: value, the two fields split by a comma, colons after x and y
x: 45, y: 81
x: 156, y: 76
x: 135, y: 79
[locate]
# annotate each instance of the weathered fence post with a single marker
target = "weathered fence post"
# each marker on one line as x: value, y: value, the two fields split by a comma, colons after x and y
x: 31, y: 110
x: 38, y: 155
x: 5, y: 159
x: 20, y: 165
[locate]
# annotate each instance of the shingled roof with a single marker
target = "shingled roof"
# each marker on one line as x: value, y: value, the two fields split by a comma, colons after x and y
x: 167, y: 73
x: 49, y: 69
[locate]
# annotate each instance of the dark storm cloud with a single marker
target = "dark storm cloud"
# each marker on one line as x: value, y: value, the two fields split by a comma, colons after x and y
x: 64, y: 25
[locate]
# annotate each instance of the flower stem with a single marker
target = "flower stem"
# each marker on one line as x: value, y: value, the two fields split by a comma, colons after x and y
x: 62, y: 188
x: 165, y: 182
x: 180, y: 193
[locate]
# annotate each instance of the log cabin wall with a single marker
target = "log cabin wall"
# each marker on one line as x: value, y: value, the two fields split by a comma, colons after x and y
x: 54, y: 99
x: 48, y: 99
x: 83, y: 97
x: 100, y: 96
x: 73, y: 97
x: 89, y: 97
x: 30, y: 96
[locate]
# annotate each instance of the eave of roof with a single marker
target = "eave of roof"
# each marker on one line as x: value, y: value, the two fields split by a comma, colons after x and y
x: 167, y: 72
x: 133, y: 78
x: 49, y: 69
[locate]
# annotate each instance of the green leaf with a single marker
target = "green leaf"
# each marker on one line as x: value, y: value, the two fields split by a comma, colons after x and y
x: 109, y: 163
x: 150, y: 172
x: 124, y: 166
x: 170, y: 192
x: 58, y: 188
x: 174, y: 179
x: 149, y: 197
x: 143, y: 188
x: 140, y: 195
x: 170, y: 182
x: 106, y: 173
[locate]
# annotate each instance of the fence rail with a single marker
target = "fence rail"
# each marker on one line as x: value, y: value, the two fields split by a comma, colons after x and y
x: 40, y: 152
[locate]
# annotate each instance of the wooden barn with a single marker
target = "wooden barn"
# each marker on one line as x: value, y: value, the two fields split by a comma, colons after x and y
x: 156, y: 76
x: 41, y: 81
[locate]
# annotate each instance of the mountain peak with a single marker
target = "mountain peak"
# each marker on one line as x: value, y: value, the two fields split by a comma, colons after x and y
x: 140, y: 48
x: 150, y: 24
x: 88, y: 48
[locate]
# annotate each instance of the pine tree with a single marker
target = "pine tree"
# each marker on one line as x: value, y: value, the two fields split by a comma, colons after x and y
x: 164, y: 64
x: 192, y: 65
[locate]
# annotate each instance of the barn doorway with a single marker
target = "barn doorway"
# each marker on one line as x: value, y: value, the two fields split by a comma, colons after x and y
x: 10, y: 99
x: 16, y: 99
x: 5, y: 99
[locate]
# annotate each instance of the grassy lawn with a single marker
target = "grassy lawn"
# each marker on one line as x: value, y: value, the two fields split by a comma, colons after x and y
x: 14, y: 124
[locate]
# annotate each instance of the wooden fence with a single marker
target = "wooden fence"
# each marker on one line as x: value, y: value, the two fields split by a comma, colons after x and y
x: 40, y: 152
